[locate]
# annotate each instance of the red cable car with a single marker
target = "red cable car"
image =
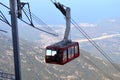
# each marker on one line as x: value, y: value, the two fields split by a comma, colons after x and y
x: 65, y: 50
x: 56, y: 54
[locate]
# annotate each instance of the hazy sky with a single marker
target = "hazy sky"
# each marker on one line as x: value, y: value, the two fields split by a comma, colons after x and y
x: 81, y: 10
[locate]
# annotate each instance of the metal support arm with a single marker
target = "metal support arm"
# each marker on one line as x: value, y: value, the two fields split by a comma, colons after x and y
x: 66, y: 12
x: 67, y: 31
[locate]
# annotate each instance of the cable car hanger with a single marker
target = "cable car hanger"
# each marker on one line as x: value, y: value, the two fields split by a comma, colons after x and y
x: 61, y: 7
x: 53, y: 1
x: 66, y: 12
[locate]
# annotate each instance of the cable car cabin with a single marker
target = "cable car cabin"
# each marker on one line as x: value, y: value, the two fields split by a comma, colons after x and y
x: 65, y: 50
x: 61, y: 54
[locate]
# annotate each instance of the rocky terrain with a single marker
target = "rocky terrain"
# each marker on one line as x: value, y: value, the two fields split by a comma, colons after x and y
x: 33, y: 66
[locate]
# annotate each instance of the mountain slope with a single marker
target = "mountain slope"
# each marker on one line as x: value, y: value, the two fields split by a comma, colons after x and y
x: 86, y: 67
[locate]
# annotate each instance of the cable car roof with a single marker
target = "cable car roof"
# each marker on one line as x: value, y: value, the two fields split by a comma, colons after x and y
x: 62, y: 44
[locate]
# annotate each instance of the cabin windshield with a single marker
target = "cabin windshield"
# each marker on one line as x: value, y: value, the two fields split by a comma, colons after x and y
x: 51, y: 52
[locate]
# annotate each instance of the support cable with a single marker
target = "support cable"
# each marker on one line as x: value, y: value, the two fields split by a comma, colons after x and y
x: 4, y: 5
x: 3, y: 18
x: 94, y: 44
x: 30, y: 20
x: 39, y: 21
x: 3, y: 31
x: 100, y: 70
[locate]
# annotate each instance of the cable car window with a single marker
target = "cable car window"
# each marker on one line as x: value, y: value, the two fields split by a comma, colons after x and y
x: 65, y: 55
x: 54, y: 53
x: 69, y: 52
x: 76, y: 49
x: 48, y: 52
x: 73, y: 51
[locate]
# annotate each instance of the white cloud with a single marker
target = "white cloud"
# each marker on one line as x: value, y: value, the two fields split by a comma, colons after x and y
x: 88, y: 25
x: 112, y: 20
